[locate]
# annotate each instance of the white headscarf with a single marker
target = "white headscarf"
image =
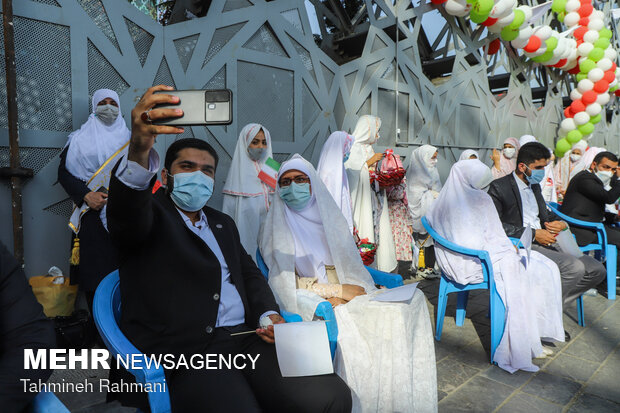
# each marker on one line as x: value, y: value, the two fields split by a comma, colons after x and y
x: 333, y: 173
x: 456, y: 216
x: 527, y: 139
x: 423, y: 184
x: 507, y: 166
x: 307, y: 240
x: 94, y: 143
x: 565, y: 166
x: 586, y: 160
x: 467, y: 153
x: 365, y: 134
x: 242, y: 179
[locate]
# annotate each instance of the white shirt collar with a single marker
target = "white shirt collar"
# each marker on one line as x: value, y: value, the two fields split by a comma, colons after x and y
x: 200, y: 224
x: 522, y: 185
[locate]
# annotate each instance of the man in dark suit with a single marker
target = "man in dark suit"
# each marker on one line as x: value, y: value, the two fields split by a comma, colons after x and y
x: 22, y: 326
x: 519, y: 203
x: 586, y: 197
x: 187, y: 283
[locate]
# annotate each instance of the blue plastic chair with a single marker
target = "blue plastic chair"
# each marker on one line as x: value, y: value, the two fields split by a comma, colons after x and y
x: 603, y: 251
x: 496, y: 305
x: 47, y: 402
x: 107, y: 313
x: 324, y: 309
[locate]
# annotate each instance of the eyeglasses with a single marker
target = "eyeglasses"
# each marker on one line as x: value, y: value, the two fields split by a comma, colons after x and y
x: 298, y: 180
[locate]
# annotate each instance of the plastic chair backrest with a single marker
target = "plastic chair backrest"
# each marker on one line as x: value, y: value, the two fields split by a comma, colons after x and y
x: 597, y: 226
x: 483, y: 256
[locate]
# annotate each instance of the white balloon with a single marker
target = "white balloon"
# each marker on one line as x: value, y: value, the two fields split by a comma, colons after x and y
x: 604, y: 64
x: 594, y: 109
x: 524, y: 37
x: 591, y: 36
x: 597, y: 14
x: 572, y: 5
x: 568, y: 124
x: 596, y: 74
x: 614, y: 83
x: 584, y: 49
x: 596, y: 25
x: 543, y: 32
x: 572, y: 19
x: 501, y: 9
x: 575, y: 94
x: 458, y: 7
x: 611, y: 54
x: 527, y: 10
x: 584, y: 85
x: 603, y: 99
x: 581, y: 118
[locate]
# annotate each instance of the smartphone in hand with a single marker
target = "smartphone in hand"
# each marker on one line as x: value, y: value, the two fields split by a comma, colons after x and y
x: 200, y: 107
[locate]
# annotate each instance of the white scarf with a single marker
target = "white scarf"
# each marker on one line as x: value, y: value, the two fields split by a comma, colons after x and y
x: 94, y: 143
x: 565, y: 166
x: 333, y: 173
x: 242, y: 179
x: 467, y: 153
x: 586, y: 160
x: 365, y: 134
x: 307, y: 240
x: 422, y: 184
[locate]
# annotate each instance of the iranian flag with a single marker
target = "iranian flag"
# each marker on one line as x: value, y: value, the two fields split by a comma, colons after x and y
x: 269, y: 172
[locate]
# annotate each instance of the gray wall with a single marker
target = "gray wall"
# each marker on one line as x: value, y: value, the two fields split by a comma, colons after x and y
x: 265, y: 53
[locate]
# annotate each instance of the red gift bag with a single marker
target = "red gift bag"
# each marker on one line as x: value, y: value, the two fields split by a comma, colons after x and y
x: 390, y: 172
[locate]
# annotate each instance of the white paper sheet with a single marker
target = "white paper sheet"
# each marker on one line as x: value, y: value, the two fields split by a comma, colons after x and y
x: 395, y: 295
x: 526, y: 242
x: 303, y: 349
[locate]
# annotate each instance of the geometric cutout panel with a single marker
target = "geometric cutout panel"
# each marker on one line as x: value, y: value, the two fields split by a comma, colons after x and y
x: 304, y: 56
x: 62, y: 208
x: 258, y: 84
x: 221, y: 36
x: 101, y: 74
x: 292, y: 16
x: 218, y: 81
x: 310, y: 108
x: 96, y: 11
x: 31, y: 157
x: 265, y: 40
x: 185, y: 49
x: 236, y: 4
x: 163, y: 76
x: 142, y: 40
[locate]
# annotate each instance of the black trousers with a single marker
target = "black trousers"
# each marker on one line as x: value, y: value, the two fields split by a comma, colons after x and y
x: 263, y: 389
x: 586, y: 236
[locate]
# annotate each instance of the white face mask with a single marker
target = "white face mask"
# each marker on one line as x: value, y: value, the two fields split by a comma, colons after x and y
x: 432, y: 163
x: 509, y: 152
x: 604, y: 176
x: 107, y: 114
x: 574, y: 157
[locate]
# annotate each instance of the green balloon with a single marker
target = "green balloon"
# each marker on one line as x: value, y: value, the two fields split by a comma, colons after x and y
x: 548, y: 55
x: 596, y: 54
x: 602, y: 43
x: 563, y: 146
x: 483, y: 7
x: 581, y: 76
x: 573, y: 136
x: 477, y: 18
x: 585, y: 65
x: 558, y: 6
x: 509, y: 34
x: 518, y: 20
x: 605, y: 33
x: 585, y: 129
x: 595, y: 119
x: 561, y: 19
x: 551, y: 43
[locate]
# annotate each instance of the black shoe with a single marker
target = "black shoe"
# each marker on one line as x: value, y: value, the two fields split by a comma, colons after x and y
x: 566, y: 336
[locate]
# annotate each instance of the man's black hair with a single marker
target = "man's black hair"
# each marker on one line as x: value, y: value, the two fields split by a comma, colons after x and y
x: 173, y: 150
x: 532, y: 152
x: 605, y: 155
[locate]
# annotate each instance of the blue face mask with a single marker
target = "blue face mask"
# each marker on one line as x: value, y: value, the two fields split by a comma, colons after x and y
x: 536, y: 177
x: 346, y: 157
x: 191, y: 190
x: 296, y: 196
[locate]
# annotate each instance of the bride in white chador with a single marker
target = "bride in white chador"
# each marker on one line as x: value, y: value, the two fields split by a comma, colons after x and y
x: 465, y: 214
x: 385, y: 351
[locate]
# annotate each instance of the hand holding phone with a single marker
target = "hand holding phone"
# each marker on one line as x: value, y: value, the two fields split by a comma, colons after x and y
x: 200, y: 107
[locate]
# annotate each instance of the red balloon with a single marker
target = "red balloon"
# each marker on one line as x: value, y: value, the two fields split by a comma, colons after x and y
x: 584, y: 21
x: 575, y: 70
x: 561, y: 63
x: 568, y: 113
x: 533, y: 44
x: 438, y: 1
x: 614, y: 66
x: 585, y: 10
x: 489, y: 22
x: 577, y: 106
x: 579, y: 32
x: 609, y: 76
x: 601, y: 86
x: 494, y: 46
x: 617, y: 92
x: 589, y: 97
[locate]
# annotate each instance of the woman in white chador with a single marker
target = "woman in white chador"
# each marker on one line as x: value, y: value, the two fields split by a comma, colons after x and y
x: 532, y: 292
x: 370, y: 217
x: 566, y: 165
x: 385, y: 351
x: 469, y: 154
x: 423, y: 186
x: 246, y: 197
x: 332, y: 172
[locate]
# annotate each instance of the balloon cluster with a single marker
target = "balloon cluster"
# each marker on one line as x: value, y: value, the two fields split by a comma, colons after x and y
x: 596, y: 71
